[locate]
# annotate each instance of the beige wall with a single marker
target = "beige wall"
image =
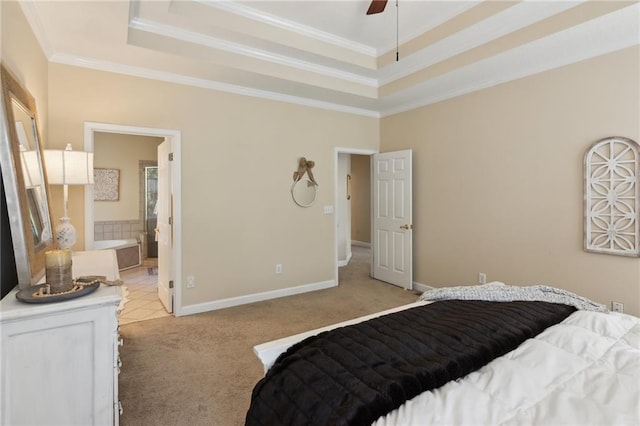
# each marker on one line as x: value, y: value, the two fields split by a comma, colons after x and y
x: 238, y: 157
x: 360, y: 198
x: 498, y: 179
x: 497, y: 186
x: 123, y: 152
x: 21, y: 54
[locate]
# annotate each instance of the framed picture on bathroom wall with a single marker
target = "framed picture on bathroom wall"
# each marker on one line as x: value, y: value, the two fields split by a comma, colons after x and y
x: 106, y: 184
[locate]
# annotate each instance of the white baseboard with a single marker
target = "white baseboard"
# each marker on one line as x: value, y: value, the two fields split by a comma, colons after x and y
x: 360, y: 244
x: 257, y: 297
x: 421, y: 287
x: 345, y: 262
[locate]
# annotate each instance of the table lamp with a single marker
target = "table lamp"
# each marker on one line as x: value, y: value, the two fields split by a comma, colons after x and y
x: 67, y: 167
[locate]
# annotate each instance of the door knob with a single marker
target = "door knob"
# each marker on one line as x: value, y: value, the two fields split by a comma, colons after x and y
x: 406, y: 226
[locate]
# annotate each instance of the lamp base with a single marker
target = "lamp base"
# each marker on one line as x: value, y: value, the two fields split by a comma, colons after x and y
x: 65, y: 234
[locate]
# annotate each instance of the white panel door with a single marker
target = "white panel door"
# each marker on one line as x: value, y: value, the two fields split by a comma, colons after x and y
x: 164, y: 230
x: 392, y: 219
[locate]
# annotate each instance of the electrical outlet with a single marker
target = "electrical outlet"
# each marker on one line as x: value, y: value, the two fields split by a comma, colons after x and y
x: 617, y: 307
x: 191, y: 281
x: 482, y: 278
x: 279, y: 268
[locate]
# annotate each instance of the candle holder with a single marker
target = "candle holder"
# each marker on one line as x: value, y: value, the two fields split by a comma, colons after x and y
x: 58, y: 270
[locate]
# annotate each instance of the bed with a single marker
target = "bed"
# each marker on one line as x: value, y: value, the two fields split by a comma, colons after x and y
x: 580, y: 367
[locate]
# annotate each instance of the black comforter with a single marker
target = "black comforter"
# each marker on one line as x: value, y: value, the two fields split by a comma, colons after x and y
x: 353, y: 375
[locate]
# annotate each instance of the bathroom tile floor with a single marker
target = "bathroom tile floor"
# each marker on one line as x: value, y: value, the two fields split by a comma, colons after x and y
x: 141, y: 294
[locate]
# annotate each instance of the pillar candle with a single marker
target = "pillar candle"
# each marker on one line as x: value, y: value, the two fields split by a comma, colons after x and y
x: 57, y: 265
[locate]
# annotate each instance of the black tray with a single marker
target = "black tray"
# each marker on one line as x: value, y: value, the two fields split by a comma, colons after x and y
x: 26, y: 294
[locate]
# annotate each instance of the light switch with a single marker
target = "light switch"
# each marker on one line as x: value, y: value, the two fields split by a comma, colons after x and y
x: 328, y: 209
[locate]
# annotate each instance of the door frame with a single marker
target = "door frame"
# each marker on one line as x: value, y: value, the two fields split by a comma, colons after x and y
x: 90, y: 128
x: 340, y: 150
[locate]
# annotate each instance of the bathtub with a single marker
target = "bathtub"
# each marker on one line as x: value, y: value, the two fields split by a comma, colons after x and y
x: 127, y: 251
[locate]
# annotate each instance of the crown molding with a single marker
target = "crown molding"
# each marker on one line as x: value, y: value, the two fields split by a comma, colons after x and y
x: 135, y: 71
x: 240, y: 49
x: 516, y: 17
x: 607, y: 34
x: 405, y: 38
x: 276, y: 21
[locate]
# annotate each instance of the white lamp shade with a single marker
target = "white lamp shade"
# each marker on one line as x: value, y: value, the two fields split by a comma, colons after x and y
x: 69, y: 167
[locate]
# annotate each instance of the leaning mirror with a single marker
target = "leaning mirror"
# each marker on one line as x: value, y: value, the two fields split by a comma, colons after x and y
x: 304, y: 192
x: 24, y: 180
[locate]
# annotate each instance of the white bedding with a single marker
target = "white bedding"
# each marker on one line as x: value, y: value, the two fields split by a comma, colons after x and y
x: 583, y: 371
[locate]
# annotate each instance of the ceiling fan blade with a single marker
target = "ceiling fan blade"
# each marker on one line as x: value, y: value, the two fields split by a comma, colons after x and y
x: 376, y: 6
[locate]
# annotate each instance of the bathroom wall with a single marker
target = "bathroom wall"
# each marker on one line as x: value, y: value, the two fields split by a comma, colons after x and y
x: 123, y: 152
x: 124, y: 218
x: 117, y: 230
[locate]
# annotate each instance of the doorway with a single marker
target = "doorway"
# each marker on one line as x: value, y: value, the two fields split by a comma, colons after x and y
x: 351, y: 197
x: 389, y: 210
x: 353, y: 209
x: 173, y: 259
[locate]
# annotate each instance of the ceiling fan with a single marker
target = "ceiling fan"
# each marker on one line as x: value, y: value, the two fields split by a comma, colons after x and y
x: 376, y: 6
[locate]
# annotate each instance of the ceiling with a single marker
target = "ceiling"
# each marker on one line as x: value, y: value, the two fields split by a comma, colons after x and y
x: 330, y: 54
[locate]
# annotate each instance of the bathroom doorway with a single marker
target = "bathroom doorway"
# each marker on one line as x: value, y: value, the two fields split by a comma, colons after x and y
x: 172, y: 258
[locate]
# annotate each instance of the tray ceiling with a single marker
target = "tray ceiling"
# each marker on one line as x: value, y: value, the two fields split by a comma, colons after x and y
x: 329, y: 54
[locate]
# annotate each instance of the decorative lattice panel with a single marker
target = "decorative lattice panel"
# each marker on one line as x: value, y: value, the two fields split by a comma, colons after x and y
x: 612, y: 197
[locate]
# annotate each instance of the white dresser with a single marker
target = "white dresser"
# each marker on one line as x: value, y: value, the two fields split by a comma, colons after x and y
x: 60, y: 360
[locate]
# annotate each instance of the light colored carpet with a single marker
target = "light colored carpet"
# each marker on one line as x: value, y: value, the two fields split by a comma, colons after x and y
x: 200, y: 369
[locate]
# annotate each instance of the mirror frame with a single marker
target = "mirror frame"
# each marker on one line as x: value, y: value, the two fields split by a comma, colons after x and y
x: 29, y: 258
x: 293, y: 195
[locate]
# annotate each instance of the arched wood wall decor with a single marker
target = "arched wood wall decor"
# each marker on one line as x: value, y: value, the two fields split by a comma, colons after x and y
x: 612, y: 197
